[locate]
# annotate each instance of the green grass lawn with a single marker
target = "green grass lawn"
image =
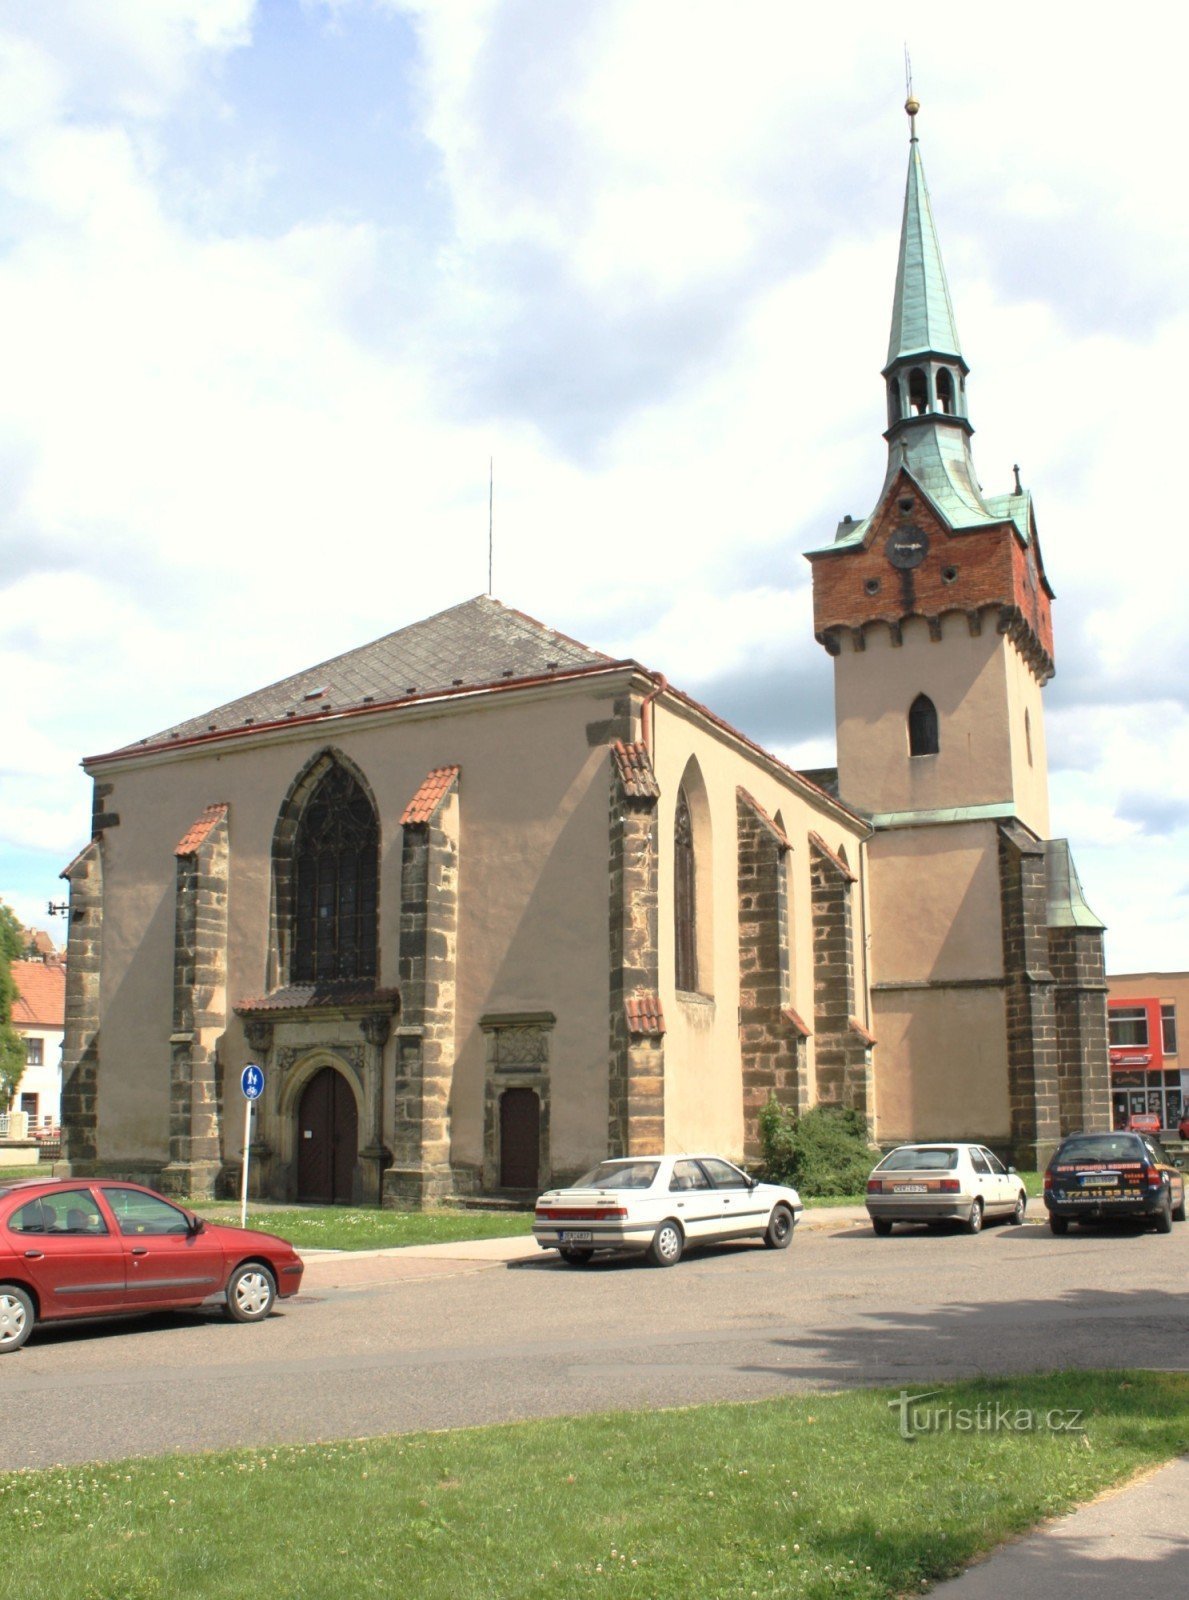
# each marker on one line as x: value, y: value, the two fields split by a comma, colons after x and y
x: 803, y: 1498
x: 343, y: 1228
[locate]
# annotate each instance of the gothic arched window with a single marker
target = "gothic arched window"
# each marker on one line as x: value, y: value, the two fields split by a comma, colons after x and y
x: 918, y: 391
x: 336, y: 860
x: 945, y: 391
x: 685, y: 908
x: 922, y: 727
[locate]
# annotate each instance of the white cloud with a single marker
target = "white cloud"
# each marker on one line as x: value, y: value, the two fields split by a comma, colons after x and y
x: 660, y: 300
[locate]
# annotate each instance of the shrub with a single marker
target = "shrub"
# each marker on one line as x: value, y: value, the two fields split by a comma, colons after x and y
x: 823, y: 1153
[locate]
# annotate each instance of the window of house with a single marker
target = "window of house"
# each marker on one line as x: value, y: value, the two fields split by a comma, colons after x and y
x: 1129, y: 1027
x: 30, y: 1104
x: 685, y: 898
x: 923, y: 738
x: 336, y: 852
x: 34, y: 1052
x: 1168, y: 1029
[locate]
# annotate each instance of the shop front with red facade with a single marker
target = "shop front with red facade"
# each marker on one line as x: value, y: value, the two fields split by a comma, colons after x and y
x: 1146, y: 1076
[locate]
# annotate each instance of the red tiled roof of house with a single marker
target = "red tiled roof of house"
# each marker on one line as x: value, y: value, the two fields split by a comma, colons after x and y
x: 41, y: 994
x: 795, y: 1020
x: 770, y: 823
x: 634, y: 766
x: 434, y: 789
x: 823, y: 848
x: 644, y: 1014
x: 199, y: 832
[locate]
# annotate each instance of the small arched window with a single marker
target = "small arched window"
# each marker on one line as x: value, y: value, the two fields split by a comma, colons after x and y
x: 336, y: 860
x: 922, y: 727
x: 685, y: 909
x: 895, y: 409
x: 918, y: 391
x: 945, y: 391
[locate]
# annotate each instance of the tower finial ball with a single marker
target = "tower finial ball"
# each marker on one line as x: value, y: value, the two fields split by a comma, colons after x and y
x: 912, y: 105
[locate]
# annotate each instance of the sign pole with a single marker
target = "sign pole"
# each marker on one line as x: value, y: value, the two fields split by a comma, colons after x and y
x: 243, y: 1194
x: 251, y: 1081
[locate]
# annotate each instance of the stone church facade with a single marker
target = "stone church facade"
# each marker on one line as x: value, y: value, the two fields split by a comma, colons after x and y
x: 487, y: 905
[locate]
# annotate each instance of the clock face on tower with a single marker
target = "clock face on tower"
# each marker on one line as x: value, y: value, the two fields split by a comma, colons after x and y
x: 908, y: 546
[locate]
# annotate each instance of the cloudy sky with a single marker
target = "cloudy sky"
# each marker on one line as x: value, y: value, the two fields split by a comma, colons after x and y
x: 278, y: 278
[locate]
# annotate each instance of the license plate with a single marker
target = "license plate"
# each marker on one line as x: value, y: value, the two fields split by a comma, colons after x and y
x: 1095, y: 1180
x: 909, y: 1188
x: 576, y: 1236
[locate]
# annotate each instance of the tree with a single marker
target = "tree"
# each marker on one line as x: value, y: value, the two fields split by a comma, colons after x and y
x: 12, y: 1046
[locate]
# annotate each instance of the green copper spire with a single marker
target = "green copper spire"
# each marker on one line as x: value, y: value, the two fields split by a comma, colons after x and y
x: 922, y: 315
x: 929, y: 430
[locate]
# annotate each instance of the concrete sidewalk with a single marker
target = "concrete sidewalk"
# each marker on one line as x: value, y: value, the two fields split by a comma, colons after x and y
x: 343, y: 1269
x: 1130, y: 1542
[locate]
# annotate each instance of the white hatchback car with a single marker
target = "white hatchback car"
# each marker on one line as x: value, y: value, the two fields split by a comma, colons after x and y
x: 964, y: 1183
x: 661, y: 1204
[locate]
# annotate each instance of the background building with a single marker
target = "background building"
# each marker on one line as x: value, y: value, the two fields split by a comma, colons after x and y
x: 39, y: 1016
x: 1148, y: 1071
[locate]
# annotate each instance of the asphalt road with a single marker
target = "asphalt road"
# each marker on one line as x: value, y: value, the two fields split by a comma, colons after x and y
x: 385, y: 1344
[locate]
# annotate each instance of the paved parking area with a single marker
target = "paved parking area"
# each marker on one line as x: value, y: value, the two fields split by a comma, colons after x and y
x: 427, y: 1339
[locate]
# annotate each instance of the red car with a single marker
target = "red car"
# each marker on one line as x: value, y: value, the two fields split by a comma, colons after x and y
x: 89, y: 1248
x: 1144, y: 1122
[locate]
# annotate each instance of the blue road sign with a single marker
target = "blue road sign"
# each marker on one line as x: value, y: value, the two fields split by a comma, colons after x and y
x: 251, y: 1081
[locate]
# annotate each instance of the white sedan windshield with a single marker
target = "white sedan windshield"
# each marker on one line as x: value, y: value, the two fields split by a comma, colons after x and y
x: 620, y: 1175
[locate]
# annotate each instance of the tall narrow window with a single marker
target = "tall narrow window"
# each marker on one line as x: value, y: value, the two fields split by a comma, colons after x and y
x: 337, y: 859
x: 918, y: 391
x: 922, y: 727
x: 684, y: 898
x: 945, y: 391
x: 1168, y: 1028
x: 1028, y: 736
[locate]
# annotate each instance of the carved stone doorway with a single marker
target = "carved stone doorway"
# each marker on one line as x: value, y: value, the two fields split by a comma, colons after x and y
x: 520, y: 1139
x: 327, y: 1139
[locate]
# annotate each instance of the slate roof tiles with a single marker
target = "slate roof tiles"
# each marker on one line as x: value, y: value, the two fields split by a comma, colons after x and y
x: 477, y: 644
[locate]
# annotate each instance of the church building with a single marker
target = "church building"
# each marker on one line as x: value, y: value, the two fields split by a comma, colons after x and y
x: 487, y: 905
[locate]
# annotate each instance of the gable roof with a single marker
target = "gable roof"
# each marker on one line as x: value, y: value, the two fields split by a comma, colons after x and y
x: 41, y: 994
x: 477, y: 643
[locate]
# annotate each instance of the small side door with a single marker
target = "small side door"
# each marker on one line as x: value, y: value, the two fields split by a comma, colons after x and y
x: 740, y: 1210
x: 165, y: 1263
x: 64, y: 1244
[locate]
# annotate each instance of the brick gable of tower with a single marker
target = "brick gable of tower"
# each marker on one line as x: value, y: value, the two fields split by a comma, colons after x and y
x: 970, y: 572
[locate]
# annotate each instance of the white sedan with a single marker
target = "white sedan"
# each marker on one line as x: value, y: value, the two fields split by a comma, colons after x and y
x: 661, y: 1204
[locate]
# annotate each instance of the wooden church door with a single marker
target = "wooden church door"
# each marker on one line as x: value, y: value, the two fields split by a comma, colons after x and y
x: 327, y: 1139
x: 520, y: 1139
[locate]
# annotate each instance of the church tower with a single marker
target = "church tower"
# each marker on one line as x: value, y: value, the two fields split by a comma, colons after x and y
x: 937, y: 613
